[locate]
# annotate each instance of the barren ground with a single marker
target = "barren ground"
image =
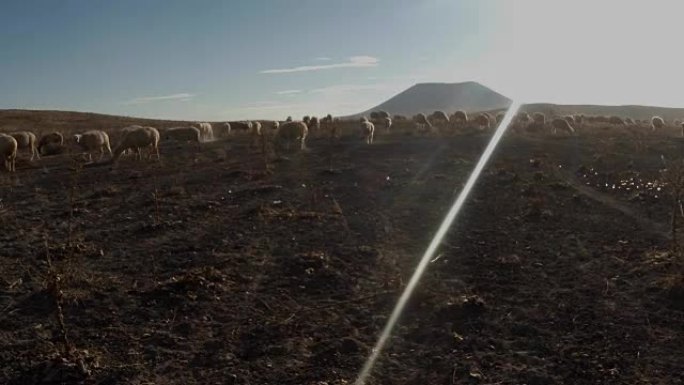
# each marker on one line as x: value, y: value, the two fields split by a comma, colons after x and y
x: 205, y: 269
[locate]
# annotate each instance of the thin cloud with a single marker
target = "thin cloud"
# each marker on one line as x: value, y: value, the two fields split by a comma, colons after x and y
x: 323, y: 58
x: 183, y: 97
x: 289, y: 92
x: 353, y: 62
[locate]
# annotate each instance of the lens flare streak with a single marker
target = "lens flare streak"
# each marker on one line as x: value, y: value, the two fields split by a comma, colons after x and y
x: 434, y: 244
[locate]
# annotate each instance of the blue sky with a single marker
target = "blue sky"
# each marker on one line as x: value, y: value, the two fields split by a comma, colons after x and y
x: 223, y: 60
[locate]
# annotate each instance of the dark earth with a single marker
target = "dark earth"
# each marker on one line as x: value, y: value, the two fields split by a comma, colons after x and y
x: 219, y: 266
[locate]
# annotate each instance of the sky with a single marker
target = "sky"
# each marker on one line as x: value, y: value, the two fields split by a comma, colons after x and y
x: 262, y: 59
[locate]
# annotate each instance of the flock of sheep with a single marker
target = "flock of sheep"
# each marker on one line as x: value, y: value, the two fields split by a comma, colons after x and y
x: 138, y: 138
x: 135, y: 139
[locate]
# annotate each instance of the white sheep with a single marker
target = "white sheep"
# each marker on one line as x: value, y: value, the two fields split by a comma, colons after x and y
x: 657, y: 122
x: 291, y: 132
x: 314, y: 123
x: 225, y: 129
x: 206, y: 132
x: 245, y: 126
x: 438, y: 118
x: 561, y: 124
x: 387, y: 122
x: 27, y: 140
x: 137, y: 139
x: 182, y: 134
x: 367, y: 131
x: 256, y: 133
x: 8, y: 151
x: 422, y: 123
x: 93, y: 140
x: 483, y: 121
x: 459, y: 118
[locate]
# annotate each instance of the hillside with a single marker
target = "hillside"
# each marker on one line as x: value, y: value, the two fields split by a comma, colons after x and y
x: 428, y: 97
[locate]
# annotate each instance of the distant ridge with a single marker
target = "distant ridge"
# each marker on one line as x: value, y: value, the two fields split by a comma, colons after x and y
x: 474, y: 97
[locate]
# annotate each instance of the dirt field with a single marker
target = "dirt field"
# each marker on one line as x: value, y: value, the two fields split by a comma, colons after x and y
x: 203, y: 268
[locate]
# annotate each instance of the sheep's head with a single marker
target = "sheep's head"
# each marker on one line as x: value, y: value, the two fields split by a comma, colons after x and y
x: 77, y: 138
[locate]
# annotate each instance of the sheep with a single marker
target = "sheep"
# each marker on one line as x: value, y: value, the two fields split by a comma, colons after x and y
x: 657, y: 122
x: 225, y: 129
x: 422, y: 123
x: 561, y: 124
x: 244, y: 125
x: 256, y: 133
x: 363, y: 119
x: 629, y: 120
x: 682, y: 130
x: 483, y: 121
x: 539, y: 118
x: 523, y: 118
x: 459, y: 118
x: 183, y: 134
x: 51, y: 138
x: 136, y: 139
x: 616, y: 120
x: 27, y: 140
x: 579, y: 119
x: 206, y: 132
x: 499, y: 118
x: 289, y: 132
x: 438, y: 118
x: 314, y: 123
x: 8, y: 151
x: 93, y: 140
x: 383, y: 114
x: 374, y: 116
x: 367, y: 130
x: 399, y: 118
x: 570, y: 119
x: 387, y: 122
x: 54, y: 149
x: 306, y: 120
x: 289, y: 119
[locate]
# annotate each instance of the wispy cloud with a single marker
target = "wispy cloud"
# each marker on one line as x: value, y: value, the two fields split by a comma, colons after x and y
x: 289, y: 92
x: 183, y: 97
x: 323, y: 58
x: 352, y: 62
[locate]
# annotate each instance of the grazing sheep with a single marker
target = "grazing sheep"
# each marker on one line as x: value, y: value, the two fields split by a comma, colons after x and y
x: 206, y: 132
x: 256, y: 133
x: 523, y: 118
x: 289, y: 119
x: 137, y: 139
x: 364, y: 119
x: 459, y: 118
x: 539, y: 118
x: 306, y: 120
x: 53, y: 137
x: 383, y: 114
x: 244, y: 126
x: 629, y: 120
x: 367, y: 131
x: 561, y: 124
x: 483, y: 121
x: 374, y: 116
x: 570, y: 119
x: 93, y: 140
x: 616, y: 120
x: 291, y: 132
x: 499, y: 118
x: 8, y: 151
x: 399, y: 118
x: 579, y: 119
x: 422, y: 123
x: 438, y: 118
x: 387, y: 122
x: 657, y: 122
x: 314, y: 123
x: 54, y: 149
x: 225, y: 129
x: 27, y: 140
x: 182, y: 134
